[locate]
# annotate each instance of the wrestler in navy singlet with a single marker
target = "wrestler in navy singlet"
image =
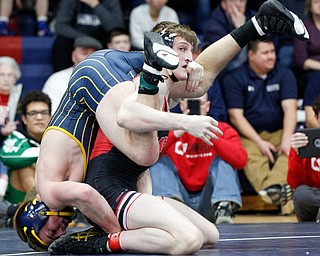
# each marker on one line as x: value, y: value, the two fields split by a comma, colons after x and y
x: 89, y: 82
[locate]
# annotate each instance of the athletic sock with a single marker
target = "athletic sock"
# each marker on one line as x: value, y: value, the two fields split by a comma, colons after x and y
x: 245, y: 33
x: 149, y: 80
x: 114, y: 243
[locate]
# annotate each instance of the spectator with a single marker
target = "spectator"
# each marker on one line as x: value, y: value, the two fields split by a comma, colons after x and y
x: 285, y: 47
x: 119, y: 39
x: 21, y: 149
x: 78, y: 18
x: 201, y: 176
x: 304, y: 176
x: 218, y: 108
x: 307, y: 57
x: 227, y: 16
x: 57, y: 83
x: 312, y: 89
x: 26, y: 28
x: 145, y: 16
x: 9, y: 97
x: 194, y: 13
x: 261, y: 99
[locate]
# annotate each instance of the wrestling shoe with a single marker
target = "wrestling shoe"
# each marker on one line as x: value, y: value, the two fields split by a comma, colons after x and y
x: 274, y: 17
x: 86, y: 242
x: 157, y: 54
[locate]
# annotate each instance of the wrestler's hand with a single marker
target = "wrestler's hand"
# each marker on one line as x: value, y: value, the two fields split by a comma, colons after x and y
x: 196, y: 74
x: 203, y: 127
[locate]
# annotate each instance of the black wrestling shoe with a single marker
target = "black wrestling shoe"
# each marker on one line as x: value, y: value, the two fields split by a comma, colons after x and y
x: 274, y: 17
x: 84, y: 242
x: 157, y: 54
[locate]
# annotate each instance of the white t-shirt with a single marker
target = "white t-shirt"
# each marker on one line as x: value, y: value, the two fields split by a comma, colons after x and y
x: 140, y: 22
x: 56, y: 85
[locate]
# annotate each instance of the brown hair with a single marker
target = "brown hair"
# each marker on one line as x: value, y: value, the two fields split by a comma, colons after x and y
x: 316, y: 105
x: 253, y: 45
x: 180, y: 30
x: 307, y: 8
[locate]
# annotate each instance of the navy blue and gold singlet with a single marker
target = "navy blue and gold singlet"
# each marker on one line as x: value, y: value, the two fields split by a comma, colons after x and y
x: 89, y: 82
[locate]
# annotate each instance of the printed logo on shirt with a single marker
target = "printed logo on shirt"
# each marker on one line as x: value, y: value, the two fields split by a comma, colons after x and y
x: 273, y: 87
x: 315, y: 164
x: 195, y: 151
x: 180, y: 148
x: 88, y: 20
x: 250, y: 88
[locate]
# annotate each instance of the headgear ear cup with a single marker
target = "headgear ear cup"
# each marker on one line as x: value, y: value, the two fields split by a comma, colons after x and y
x: 30, y: 217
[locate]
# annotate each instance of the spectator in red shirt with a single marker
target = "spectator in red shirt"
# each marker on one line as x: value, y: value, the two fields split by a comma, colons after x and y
x: 201, y: 176
x: 304, y: 176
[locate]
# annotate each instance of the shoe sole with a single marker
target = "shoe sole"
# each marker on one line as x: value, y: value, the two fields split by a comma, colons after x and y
x: 274, y: 7
x: 164, y: 55
x: 169, y: 57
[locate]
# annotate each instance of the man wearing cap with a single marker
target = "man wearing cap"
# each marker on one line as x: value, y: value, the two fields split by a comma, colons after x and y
x: 57, y: 83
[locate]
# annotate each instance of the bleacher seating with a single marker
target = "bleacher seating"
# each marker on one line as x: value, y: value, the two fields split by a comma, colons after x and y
x: 34, y: 56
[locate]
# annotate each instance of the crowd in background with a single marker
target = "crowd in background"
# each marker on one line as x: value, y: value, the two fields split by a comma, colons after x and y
x: 261, y: 116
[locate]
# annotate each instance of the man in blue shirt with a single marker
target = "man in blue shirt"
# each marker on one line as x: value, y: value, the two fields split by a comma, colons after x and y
x: 310, y: 93
x: 227, y: 16
x: 261, y: 98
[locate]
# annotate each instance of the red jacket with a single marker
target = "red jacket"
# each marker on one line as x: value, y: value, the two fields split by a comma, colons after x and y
x: 192, y: 156
x: 303, y: 171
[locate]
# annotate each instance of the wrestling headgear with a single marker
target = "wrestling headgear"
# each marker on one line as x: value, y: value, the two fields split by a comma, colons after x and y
x: 31, y: 217
x: 167, y: 37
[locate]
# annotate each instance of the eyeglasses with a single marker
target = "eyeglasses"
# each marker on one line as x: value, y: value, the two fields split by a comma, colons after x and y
x: 43, y: 113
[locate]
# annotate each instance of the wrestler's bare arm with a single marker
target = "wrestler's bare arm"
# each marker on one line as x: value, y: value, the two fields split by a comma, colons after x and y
x: 139, y: 118
x: 59, y: 174
x: 86, y: 199
x: 213, y: 59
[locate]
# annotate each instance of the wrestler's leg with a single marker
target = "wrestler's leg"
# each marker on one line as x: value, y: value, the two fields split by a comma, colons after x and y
x: 154, y: 226
x: 157, y: 227
x: 208, y: 229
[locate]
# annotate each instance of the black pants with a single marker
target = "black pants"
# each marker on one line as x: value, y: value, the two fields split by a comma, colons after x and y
x: 306, y: 202
x: 61, y: 53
